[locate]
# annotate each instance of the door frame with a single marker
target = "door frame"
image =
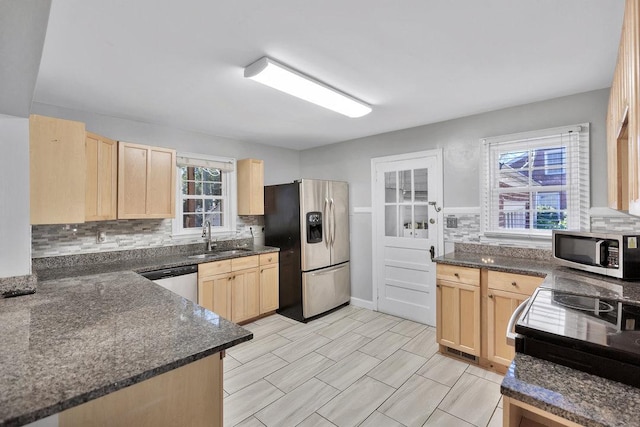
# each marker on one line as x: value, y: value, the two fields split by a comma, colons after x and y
x: 375, y: 217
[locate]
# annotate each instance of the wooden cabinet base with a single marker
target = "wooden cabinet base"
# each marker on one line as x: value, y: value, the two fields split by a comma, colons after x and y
x: 190, y: 395
x: 516, y: 413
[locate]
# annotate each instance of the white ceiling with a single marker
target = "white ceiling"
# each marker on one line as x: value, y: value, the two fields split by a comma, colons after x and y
x: 180, y: 63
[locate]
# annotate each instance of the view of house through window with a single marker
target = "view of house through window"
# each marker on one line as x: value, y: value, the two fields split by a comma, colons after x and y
x: 536, y: 183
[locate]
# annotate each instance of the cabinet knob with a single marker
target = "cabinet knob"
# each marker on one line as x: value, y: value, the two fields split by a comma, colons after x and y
x: 229, y: 278
x: 437, y: 286
x: 261, y: 271
x: 514, y: 284
x: 457, y: 275
x: 270, y: 259
x: 490, y: 296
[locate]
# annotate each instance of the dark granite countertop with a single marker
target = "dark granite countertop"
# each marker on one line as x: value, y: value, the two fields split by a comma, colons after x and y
x: 532, y: 267
x: 138, y: 264
x: 586, y: 399
x: 80, y: 338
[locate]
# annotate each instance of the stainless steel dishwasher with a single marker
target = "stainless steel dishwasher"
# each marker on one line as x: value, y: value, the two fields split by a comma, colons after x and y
x: 181, y: 280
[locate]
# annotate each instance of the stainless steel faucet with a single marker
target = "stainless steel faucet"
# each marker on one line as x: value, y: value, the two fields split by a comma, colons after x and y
x: 206, y: 228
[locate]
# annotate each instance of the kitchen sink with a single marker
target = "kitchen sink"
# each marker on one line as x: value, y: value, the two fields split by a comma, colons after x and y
x: 221, y: 253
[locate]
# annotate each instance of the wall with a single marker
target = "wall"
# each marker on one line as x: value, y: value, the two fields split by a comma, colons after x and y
x: 15, y: 232
x: 351, y: 161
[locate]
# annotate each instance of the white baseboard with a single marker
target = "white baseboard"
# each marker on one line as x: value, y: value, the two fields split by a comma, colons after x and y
x: 363, y: 303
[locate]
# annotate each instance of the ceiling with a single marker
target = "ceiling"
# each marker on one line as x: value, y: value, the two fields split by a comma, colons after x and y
x: 180, y: 63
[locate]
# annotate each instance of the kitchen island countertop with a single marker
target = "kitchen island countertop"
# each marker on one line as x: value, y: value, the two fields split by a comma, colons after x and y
x: 80, y: 338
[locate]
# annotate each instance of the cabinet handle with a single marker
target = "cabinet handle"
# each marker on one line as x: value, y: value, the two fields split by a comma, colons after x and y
x: 229, y: 278
x: 514, y: 284
x: 269, y: 259
x: 437, y: 286
x: 261, y: 271
x: 457, y: 275
x: 490, y: 296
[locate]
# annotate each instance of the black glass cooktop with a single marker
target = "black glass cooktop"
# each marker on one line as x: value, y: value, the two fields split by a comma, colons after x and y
x: 595, y: 335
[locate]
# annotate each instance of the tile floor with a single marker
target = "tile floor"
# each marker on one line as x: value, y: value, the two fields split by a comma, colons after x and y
x: 354, y: 367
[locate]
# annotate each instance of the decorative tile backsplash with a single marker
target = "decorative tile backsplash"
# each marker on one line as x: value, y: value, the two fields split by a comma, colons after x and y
x: 55, y: 240
x: 468, y: 229
x: 615, y: 224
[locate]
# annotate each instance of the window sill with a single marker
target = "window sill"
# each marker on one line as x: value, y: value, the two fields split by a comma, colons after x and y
x: 527, y: 241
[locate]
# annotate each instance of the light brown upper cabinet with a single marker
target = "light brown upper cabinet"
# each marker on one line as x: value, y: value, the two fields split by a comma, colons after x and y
x: 57, y: 170
x: 102, y: 178
x: 250, y: 187
x: 623, y: 118
x: 146, y: 181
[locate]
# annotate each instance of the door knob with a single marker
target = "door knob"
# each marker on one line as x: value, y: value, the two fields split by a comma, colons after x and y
x: 432, y: 251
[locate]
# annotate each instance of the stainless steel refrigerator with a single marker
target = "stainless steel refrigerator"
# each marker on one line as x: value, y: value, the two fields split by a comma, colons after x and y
x: 309, y: 221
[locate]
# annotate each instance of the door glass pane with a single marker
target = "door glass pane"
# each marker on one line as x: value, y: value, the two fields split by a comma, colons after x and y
x: 390, y: 221
x: 407, y: 221
x: 405, y: 186
x: 421, y: 185
x: 390, y: 187
x: 422, y: 221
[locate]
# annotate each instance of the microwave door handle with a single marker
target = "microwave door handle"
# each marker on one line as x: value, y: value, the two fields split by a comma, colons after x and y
x: 511, y: 335
x: 598, y: 258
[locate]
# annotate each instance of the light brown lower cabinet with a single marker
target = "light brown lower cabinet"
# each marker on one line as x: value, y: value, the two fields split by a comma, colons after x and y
x: 239, y: 289
x: 519, y: 414
x: 190, y: 395
x: 458, y: 316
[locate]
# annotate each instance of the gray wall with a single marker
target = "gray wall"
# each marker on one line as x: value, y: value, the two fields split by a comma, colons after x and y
x: 15, y: 231
x: 280, y: 164
x: 351, y: 160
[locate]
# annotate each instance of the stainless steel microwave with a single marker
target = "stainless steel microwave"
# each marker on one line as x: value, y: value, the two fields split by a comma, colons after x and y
x: 615, y: 255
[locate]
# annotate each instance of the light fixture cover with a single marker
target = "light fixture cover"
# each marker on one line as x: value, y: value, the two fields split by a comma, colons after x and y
x: 271, y: 73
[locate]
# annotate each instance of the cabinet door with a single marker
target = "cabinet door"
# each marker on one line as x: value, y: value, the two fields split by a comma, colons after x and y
x: 500, y: 307
x: 245, y: 295
x: 132, y: 180
x: 57, y: 168
x: 101, y: 180
x: 269, y: 288
x: 458, y: 316
x: 250, y: 177
x: 161, y: 188
x: 214, y: 293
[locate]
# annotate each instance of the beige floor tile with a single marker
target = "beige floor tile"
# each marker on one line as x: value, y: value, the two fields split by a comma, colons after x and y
x: 496, y: 419
x: 348, y: 370
x: 341, y: 347
x: 292, y: 408
x: 356, y: 403
x: 397, y: 368
x: 339, y: 327
x: 251, y: 372
x: 408, y: 328
x: 315, y: 420
x: 483, y: 373
x: 442, y: 419
x: 299, y: 330
x: 385, y: 345
x: 229, y: 363
x: 266, y: 329
x: 378, y: 419
x: 376, y: 327
x: 250, y: 422
x: 300, y: 371
x: 473, y: 399
x: 257, y: 348
x: 305, y: 345
x: 339, y: 314
x: 443, y: 369
x: 365, y: 315
x: 424, y: 344
x: 246, y: 402
x: 412, y: 403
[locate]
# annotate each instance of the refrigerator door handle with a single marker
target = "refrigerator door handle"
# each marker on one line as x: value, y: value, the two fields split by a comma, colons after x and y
x: 332, y: 207
x: 326, y: 230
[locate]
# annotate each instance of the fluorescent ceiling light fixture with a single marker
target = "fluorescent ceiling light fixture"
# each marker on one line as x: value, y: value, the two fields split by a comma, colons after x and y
x: 271, y: 73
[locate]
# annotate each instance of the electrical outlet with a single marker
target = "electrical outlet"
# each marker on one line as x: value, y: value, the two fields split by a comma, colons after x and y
x: 452, y: 222
x: 101, y: 236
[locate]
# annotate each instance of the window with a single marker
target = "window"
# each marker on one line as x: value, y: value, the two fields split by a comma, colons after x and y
x: 536, y: 182
x: 205, y: 188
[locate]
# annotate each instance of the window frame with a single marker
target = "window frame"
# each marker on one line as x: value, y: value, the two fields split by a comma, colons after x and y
x: 577, y: 185
x: 229, y: 190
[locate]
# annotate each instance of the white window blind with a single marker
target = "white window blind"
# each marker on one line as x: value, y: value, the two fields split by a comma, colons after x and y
x: 535, y: 182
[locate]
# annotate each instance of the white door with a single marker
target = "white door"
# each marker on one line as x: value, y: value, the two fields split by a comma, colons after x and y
x: 407, y: 229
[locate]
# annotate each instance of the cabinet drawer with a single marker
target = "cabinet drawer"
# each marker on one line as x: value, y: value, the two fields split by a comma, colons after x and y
x: 214, y: 268
x: 513, y: 282
x: 270, y: 258
x: 245, y: 262
x: 456, y: 274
